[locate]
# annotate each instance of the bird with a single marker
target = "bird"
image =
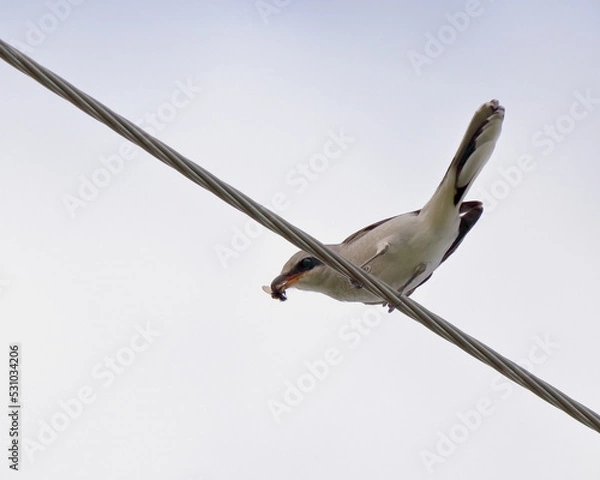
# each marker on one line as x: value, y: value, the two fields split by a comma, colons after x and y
x: 403, y: 251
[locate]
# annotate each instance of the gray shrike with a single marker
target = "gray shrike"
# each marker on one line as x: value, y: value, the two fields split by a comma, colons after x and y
x: 403, y: 251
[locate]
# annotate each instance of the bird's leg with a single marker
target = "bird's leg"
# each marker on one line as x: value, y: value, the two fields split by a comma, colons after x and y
x: 419, y: 270
x: 365, y: 265
x: 380, y: 251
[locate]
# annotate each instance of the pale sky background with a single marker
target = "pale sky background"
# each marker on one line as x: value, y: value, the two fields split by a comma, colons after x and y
x: 193, y: 402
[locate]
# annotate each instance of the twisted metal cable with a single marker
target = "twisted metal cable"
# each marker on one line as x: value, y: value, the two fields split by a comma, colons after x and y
x: 296, y: 236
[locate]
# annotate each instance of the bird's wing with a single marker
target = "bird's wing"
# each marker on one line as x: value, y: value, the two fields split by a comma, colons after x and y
x: 469, y: 214
x: 356, y: 235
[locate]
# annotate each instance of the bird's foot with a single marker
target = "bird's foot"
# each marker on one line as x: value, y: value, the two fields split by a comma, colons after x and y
x: 420, y: 269
x: 356, y: 283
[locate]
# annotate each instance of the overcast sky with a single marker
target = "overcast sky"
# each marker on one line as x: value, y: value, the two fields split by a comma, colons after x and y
x: 149, y: 350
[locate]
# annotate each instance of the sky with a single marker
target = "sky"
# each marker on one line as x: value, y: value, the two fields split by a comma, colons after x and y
x: 146, y: 346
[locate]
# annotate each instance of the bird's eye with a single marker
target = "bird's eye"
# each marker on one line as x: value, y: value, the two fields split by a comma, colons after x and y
x: 307, y: 263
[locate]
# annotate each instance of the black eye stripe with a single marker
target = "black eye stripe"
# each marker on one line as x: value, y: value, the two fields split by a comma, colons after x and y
x: 307, y: 263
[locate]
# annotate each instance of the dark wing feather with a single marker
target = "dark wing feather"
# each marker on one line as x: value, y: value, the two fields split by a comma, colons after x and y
x: 362, y: 231
x: 469, y: 214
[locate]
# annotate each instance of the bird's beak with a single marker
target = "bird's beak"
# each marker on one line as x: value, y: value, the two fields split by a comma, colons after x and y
x: 280, y: 284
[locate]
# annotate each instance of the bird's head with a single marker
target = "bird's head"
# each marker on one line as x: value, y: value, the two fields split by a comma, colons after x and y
x: 302, y: 271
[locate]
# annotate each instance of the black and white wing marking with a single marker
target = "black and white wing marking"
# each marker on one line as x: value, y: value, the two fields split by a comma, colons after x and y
x: 356, y: 235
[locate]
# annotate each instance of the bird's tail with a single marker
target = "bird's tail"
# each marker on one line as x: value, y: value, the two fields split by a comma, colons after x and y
x: 472, y: 154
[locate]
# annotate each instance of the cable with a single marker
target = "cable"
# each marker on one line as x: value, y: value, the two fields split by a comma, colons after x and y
x: 296, y: 236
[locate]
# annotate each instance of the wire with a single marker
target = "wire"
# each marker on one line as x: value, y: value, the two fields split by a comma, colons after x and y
x: 296, y: 236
